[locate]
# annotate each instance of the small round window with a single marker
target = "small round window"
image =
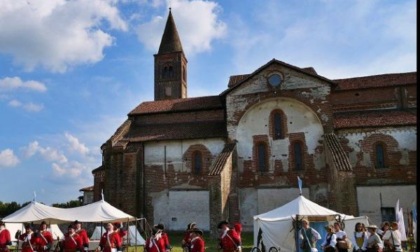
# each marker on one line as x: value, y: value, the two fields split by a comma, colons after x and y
x: 275, y: 80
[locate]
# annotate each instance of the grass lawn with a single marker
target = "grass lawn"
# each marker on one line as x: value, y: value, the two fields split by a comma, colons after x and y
x: 211, y: 243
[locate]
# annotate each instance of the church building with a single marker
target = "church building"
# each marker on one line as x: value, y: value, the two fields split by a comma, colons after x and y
x: 231, y: 156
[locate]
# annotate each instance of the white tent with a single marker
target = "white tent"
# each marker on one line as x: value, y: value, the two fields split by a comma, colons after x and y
x: 100, y: 211
x: 277, y: 225
x: 134, y: 237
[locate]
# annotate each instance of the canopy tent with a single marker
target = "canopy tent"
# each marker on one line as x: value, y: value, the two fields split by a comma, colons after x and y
x: 134, y: 237
x: 100, y: 211
x: 276, y: 226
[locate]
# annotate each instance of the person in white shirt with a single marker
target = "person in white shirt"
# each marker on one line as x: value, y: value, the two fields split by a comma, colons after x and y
x: 330, y: 241
x: 359, y: 238
x: 392, y: 237
x: 341, y: 236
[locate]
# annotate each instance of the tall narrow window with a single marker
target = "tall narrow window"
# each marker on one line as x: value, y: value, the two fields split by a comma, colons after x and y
x: 380, y: 156
x: 278, y: 126
x: 171, y: 72
x: 278, y: 132
x: 298, y: 155
x: 197, y: 162
x: 262, y: 157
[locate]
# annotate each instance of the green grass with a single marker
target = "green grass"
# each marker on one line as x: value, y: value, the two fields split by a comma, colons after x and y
x: 211, y: 242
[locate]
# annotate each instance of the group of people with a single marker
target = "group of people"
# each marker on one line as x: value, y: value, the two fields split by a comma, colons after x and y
x: 193, y: 240
x: 364, y: 239
x: 75, y: 240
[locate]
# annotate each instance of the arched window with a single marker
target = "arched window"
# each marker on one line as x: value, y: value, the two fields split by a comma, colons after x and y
x: 298, y: 155
x: 380, y: 155
x: 262, y: 157
x: 197, y: 162
x: 277, y: 126
x: 171, y: 72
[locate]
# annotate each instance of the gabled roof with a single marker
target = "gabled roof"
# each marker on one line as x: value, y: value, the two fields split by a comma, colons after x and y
x: 375, y: 81
x: 170, y: 40
x: 178, y: 105
x: 237, y: 80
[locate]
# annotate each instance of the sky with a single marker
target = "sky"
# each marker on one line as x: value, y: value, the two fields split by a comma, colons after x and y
x: 71, y: 70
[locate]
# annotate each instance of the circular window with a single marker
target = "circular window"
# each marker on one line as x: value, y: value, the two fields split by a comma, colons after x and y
x: 275, y: 80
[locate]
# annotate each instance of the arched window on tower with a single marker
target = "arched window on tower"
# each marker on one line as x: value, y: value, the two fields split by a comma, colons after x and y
x: 380, y: 155
x: 298, y: 155
x: 197, y: 162
x: 171, y: 72
x: 262, y: 164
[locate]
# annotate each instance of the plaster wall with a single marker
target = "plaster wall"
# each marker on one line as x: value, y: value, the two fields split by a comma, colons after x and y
x: 370, y: 199
x: 404, y: 137
x: 155, y: 151
x: 175, y: 209
x: 255, y: 121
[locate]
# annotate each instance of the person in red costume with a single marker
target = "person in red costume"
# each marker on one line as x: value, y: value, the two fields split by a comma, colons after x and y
x: 110, y: 240
x: 164, y: 236
x: 83, y: 234
x: 155, y: 243
x: 43, y: 238
x: 5, y: 239
x: 28, y: 239
x: 186, y: 241
x: 119, y: 230
x: 229, y: 238
x: 197, y: 241
x: 72, y: 242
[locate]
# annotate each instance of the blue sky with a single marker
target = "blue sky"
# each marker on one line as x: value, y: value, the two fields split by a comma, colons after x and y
x: 71, y: 71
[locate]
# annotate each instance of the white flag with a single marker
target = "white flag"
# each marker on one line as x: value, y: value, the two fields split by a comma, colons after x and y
x: 401, y: 226
x: 397, y: 209
x: 300, y: 185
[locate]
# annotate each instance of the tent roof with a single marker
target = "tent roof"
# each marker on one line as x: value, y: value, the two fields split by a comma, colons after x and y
x: 100, y: 211
x: 298, y: 206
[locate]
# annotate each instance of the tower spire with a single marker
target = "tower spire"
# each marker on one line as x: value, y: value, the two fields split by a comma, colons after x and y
x: 170, y: 40
x: 170, y: 65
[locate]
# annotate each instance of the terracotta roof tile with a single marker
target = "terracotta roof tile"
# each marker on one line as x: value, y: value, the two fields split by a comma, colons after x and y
x: 339, y: 157
x: 219, y: 163
x: 383, y: 80
x: 377, y: 118
x: 177, y: 105
x: 177, y: 131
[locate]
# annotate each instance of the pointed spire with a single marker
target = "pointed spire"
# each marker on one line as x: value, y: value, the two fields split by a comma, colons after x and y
x: 170, y: 39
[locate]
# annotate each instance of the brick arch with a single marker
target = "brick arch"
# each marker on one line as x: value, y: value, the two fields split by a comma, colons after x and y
x: 388, y: 142
x: 206, y: 156
x: 257, y: 100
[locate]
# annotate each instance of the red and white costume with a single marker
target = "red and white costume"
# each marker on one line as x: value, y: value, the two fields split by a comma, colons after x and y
x: 4, y: 239
x: 229, y: 240
x: 72, y: 242
x: 110, y: 242
x: 155, y: 243
x: 197, y: 244
x: 43, y: 241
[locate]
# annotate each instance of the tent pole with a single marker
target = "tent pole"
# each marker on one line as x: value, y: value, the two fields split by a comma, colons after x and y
x: 297, y: 233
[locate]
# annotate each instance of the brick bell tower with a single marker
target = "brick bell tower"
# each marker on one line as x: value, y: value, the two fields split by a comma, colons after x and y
x: 170, y: 65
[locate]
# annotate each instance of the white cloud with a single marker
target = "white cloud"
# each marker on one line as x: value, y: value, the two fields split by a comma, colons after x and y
x: 30, y: 107
x: 197, y: 22
x: 8, y: 158
x: 13, y: 83
x: 57, y: 34
x: 48, y: 153
x: 73, y: 170
x: 75, y: 144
